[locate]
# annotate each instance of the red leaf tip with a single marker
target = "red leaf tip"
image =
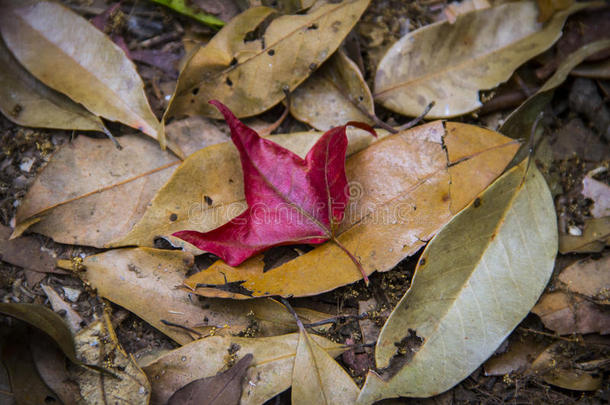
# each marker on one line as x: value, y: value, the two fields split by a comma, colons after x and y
x: 363, y: 126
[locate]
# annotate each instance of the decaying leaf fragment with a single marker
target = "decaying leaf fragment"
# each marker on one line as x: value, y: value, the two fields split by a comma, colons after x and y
x: 47, y: 39
x: 403, y: 189
x: 475, y: 281
x: 251, y: 73
x: 269, y: 374
x: 331, y: 96
x: 449, y: 63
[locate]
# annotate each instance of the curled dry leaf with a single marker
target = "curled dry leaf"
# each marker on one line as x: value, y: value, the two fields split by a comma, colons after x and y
x: 269, y: 374
x: 403, y: 189
x: 475, y: 281
x: 569, y: 313
x: 449, y: 63
x: 207, y: 190
x: 222, y: 389
x: 47, y: 39
x: 331, y: 96
x: 250, y: 75
x: 97, y: 344
x: 133, y: 278
x: 590, y: 278
x: 28, y: 102
x: 317, y: 379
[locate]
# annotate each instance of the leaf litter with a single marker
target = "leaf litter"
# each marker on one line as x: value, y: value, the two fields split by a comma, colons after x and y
x: 261, y: 317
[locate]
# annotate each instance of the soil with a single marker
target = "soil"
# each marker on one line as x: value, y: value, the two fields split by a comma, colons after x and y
x: 577, y: 145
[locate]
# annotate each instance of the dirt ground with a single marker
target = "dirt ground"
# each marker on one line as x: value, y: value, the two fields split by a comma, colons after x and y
x: 576, y: 142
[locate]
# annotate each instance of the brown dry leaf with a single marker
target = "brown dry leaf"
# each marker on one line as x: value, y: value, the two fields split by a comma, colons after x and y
x: 595, y: 237
x: 557, y: 366
x: 403, y: 189
x: 26, y: 101
x: 449, y: 63
x: 589, y: 277
x: 48, y: 39
x: 97, y: 344
x: 26, y: 385
x: 222, y: 389
x: 522, y: 351
x: 269, y: 374
x: 331, y: 96
x: 134, y: 278
x: 475, y: 282
x: 207, y: 190
x: 549, y: 7
x: 188, y: 133
x: 73, y: 319
x: 568, y: 313
x: 317, y: 379
x: 70, y: 199
x: 250, y: 75
x: 27, y: 252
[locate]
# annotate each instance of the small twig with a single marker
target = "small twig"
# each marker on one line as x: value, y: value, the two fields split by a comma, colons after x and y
x: 577, y: 339
x: 336, y: 319
x: 112, y: 138
x: 351, y: 256
x: 418, y: 119
x: 268, y: 130
x: 293, y: 312
x: 360, y: 345
x: 186, y: 328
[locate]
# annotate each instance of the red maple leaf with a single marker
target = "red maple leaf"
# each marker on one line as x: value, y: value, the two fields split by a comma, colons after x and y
x: 290, y: 200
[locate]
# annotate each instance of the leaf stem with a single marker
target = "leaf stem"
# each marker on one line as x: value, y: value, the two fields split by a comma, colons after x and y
x: 293, y: 312
x: 354, y: 259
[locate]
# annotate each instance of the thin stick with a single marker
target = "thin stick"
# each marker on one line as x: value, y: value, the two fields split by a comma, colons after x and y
x: 577, y: 339
x: 186, y: 328
x: 336, y: 319
x: 418, y: 119
x: 112, y: 138
x: 356, y: 261
x: 293, y: 312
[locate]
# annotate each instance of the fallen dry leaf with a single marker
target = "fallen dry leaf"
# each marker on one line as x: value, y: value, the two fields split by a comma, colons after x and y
x: 595, y: 237
x: 207, y: 190
x: 269, y: 374
x: 475, y: 281
x: 47, y: 39
x: 133, y: 278
x: 568, y: 313
x: 522, y: 351
x: 589, y: 277
x: 556, y: 365
x: 317, y: 379
x: 454, y: 9
x: 28, y: 102
x: 26, y: 385
x: 222, y: 389
x: 97, y: 344
x: 549, y: 7
x: 404, y: 188
x: 449, y: 63
x: 250, y: 75
x: 331, y: 96
x: 70, y: 199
